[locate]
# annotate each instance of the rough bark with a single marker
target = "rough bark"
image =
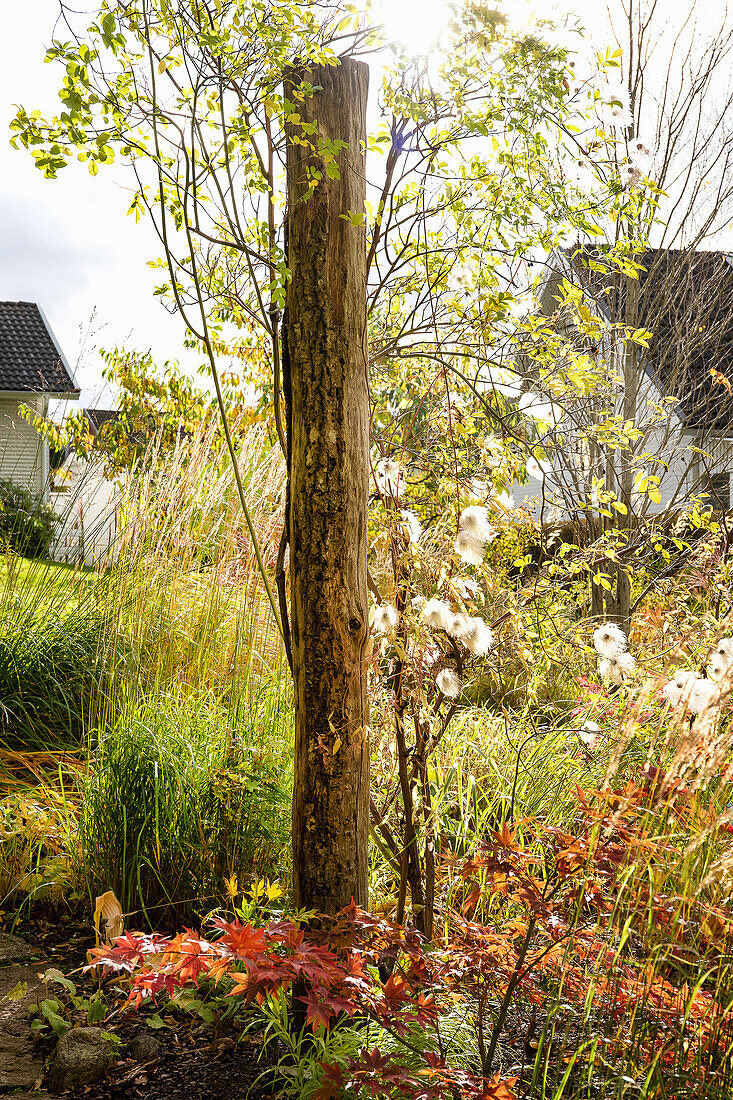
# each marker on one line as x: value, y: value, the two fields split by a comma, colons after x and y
x: 328, y: 457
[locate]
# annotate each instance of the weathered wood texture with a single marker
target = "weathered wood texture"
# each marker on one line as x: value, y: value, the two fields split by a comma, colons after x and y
x: 328, y: 422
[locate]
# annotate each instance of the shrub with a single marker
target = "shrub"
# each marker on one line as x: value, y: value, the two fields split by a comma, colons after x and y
x: 33, y: 852
x: 27, y: 524
x: 177, y: 800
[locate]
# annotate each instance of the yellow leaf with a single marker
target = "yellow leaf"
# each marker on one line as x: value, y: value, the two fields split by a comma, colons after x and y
x: 337, y: 745
x: 18, y: 992
x: 108, y: 909
x: 232, y: 886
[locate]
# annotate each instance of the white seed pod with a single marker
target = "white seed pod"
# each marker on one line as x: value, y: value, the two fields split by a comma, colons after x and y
x: 457, y: 626
x: 411, y: 525
x: 385, y: 618
x: 609, y: 669
x: 475, y: 520
x: 589, y: 733
x: 390, y: 477
x: 609, y: 640
x: 538, y: 469
x: 626, y: 663
x: 449, y: 683
x: 704, y: 694
x: 469, y: 549
x: 717, y: 667
x: 437, y: 614
x: 466, y: 587
x: 478, y: 637
x: 680, y: 687
x: 616, y: 95
x: 506, y: 500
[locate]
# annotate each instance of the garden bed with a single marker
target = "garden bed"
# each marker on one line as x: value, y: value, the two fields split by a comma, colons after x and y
x: 211, y: 1062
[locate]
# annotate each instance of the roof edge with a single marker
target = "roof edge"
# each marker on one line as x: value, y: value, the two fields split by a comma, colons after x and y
x: 62, y: 357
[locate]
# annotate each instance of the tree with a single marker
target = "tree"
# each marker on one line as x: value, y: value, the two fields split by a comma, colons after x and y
x: 327, y: 402
x: 151, y: 403
x: 470, y: 148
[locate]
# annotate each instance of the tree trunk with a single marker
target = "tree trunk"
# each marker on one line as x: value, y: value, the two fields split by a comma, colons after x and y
x: 326, y: 390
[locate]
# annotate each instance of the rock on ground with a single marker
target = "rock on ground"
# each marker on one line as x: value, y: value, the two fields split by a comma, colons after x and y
x: 81, y: 1057
x: 144, y: 1046
x: 19, y: 1066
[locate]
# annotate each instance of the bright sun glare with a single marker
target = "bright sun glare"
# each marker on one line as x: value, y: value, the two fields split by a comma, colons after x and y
x: 415, y: 23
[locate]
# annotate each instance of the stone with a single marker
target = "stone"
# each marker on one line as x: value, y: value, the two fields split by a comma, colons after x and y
x: 20, y: 1068
x: 81, y: 1057
x: 13, y: 949
x: 143, y: 1047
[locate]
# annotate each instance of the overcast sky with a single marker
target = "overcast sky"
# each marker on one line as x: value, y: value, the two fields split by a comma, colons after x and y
x: 67, y: 244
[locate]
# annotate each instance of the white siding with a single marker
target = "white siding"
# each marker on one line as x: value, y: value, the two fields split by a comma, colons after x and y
x: 23, y: 454
x: 89, y: 515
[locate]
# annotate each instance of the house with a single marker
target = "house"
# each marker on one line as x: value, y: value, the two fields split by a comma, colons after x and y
x: 33, y: 369
x: 86, y: 501
x: 685, y: 298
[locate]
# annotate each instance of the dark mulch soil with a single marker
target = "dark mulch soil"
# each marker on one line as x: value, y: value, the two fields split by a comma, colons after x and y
x: 195, y: 1062
x: 188, y: 1067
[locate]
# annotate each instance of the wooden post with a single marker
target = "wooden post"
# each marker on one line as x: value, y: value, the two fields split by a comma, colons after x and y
x: 327, y: 405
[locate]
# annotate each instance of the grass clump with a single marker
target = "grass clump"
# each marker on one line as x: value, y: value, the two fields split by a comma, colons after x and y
x: 51, y: 670
x: 179, y: 798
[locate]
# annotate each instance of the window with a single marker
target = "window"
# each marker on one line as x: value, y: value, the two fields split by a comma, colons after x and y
x: 720, y: 491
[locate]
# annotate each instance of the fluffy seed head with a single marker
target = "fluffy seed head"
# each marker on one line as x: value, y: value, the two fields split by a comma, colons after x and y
x: 680, y: 687
x: 477, y: 637
x: 704, y: 694
x: 385, y: 618
x: 626, y: 663
x: 616, y: 95
x: 449, y: 683
x: 493, y: 452
x: 588, y: 734
x: 457, y: 626
x: 390, y: 478
x: 469, y: 549
x: 717, y: 667
x: 466, y: 587
x: 631, y: 174
x: 609, y: 669
x: 411, y: 525
x: 437, y: 614
x: 609, y: 640
x: 538, y: 469
x: 475, y: 521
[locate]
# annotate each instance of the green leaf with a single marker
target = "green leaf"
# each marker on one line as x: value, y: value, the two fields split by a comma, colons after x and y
x: 97, y: 1010
x: 54, y: 975
x: 157, y: 1022
x: 58, y: 1023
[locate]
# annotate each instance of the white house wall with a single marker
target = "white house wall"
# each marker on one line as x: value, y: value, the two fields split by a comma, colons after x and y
x: 89, y: 515
x: 23, y: 454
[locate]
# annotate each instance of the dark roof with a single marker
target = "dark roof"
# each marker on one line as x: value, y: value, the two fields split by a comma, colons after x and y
x: 30, y: 358
x: 685, y: 298
x: 98, y: 417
